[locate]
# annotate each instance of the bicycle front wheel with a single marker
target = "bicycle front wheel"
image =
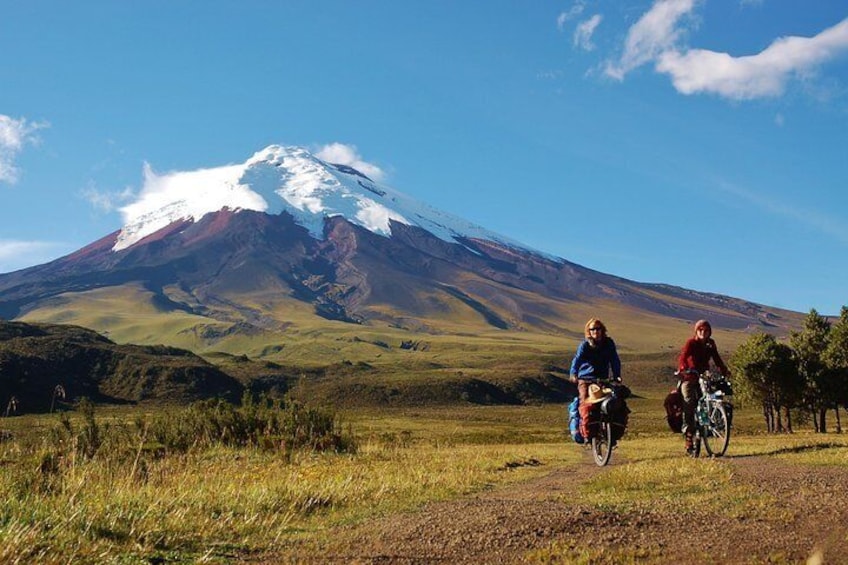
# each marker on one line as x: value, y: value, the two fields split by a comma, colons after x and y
x: 602, y: 444
x: 717, y: 432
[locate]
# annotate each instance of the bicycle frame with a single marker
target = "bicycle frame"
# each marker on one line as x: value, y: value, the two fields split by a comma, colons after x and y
x: 601, y: 439
x: 713, y: 414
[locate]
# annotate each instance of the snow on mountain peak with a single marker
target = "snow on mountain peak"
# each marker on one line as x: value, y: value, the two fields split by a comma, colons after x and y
x: 291, y: 179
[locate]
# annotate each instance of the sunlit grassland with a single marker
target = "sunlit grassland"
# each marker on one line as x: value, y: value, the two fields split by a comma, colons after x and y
x: 652, y: 476
x: 215, y: 504
x: 106, y: 311
x: 295, y: 336
x: 229, y: 500
x: 657, y: 477
x: 299, y: 338
x: 463, y: 425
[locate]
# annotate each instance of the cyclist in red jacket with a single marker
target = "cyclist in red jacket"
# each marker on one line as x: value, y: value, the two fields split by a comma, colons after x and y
x: 696, y: 355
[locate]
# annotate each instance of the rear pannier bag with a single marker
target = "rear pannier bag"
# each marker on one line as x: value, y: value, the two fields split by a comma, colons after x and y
x: 574, y: 421
x: 674, y: 410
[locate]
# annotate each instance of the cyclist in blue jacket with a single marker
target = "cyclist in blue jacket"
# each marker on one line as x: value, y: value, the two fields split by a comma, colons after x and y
x: 595, y: 359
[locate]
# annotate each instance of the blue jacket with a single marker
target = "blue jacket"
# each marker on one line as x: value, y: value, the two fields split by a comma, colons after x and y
x: 593, y: 363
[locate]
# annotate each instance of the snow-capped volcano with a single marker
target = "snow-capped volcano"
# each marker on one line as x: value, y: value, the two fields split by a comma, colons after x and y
x: 242, y: 247
x: 293, y: 180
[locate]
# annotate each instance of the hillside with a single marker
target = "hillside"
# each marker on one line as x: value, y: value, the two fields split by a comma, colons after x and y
x: 35, y: 359
x: 243, y: 282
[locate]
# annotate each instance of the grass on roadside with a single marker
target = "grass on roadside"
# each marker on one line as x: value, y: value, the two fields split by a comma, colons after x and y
x: 218, y: 502
x: 659, y: 477
x: 650, y: 475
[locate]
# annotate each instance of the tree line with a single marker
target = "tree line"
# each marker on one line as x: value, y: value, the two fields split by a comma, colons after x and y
x: 798, y: 381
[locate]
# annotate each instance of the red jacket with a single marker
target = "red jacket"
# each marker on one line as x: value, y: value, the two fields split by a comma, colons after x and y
x: 696, y: 355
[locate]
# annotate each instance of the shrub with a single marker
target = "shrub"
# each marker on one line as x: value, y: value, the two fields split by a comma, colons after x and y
x: 266, y: 424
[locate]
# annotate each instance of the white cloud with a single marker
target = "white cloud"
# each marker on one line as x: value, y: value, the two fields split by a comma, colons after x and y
x: 656, y: 31
x: 572, y: 13
x: 107, y: 201
x: 757, y: 76
x: 14, y: 135
x: 342, y: 154
x: 657, y: 36
x: 16, y: 254
x: 193, y: 193
x: 585, y: 30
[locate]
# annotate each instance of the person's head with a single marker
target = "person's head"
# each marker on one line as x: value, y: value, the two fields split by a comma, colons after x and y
x: 595, y: 330
x: 703, y: 330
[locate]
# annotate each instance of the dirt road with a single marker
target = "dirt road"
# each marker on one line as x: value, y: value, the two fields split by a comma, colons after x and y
x: 534, y: 521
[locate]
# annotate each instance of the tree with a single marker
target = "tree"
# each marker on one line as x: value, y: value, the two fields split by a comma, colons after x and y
x: 809, y: 346
x: 836, y: 361
x: 767, y: 374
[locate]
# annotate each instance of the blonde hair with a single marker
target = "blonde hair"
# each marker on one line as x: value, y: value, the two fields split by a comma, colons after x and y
x: 594, y: 322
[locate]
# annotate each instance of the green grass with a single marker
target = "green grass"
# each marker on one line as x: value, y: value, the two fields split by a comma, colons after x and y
x: 667, y: 482
x: 221, y: 502
x: 464, y: 425
x: 657, y: 479
x: 304, y: 339
x: 216, y: 504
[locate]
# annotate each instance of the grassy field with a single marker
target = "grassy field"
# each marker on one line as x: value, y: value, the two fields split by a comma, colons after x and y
x: 296, y: 336
x: 215, y: 504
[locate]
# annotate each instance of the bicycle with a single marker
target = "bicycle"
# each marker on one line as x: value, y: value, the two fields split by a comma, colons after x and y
x: 713, y: 414
x: 611, y: 422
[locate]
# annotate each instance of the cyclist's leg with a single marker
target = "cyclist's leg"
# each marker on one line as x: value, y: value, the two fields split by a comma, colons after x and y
x: 690, y: 391
x: 583, y: 408
x: 582, y: 390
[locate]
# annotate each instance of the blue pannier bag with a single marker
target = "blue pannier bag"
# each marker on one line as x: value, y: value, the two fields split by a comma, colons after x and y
x: 574, y: 421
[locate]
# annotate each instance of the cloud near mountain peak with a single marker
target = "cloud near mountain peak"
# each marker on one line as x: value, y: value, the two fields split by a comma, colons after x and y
x: 343, y: 154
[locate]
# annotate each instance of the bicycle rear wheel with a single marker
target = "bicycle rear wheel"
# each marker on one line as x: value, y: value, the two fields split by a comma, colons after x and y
x: 717, y: 432
x: 602, y: 444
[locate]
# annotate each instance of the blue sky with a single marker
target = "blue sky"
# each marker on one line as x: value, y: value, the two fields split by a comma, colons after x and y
x: 697, y: 143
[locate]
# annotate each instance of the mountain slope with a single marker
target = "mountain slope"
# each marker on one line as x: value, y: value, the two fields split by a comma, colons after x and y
x: 258, y: 248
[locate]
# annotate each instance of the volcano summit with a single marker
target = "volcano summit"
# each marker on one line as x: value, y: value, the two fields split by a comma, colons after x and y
x: 292, y: 180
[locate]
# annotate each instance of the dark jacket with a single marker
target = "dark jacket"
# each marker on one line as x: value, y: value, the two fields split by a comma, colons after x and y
x: 593, y: 363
